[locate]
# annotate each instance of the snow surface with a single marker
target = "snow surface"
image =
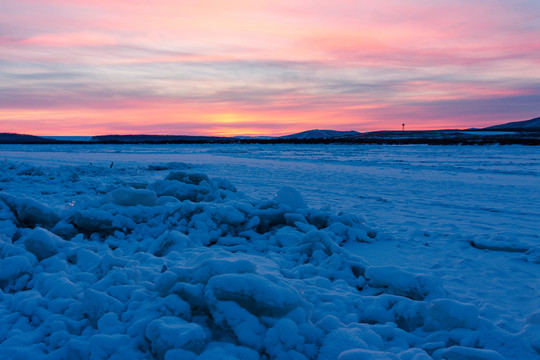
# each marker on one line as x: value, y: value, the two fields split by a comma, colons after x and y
x: 269, y: 252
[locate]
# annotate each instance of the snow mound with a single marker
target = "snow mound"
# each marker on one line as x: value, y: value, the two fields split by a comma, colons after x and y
x: 500, y: 243
x: 189, y: 268
x: 532, y: 255
x: 171, y: 332
x: 133, y: 197
x: 42, y: 243
x: 289, y: 196
x: 400, y: 282
x: 170, y: 166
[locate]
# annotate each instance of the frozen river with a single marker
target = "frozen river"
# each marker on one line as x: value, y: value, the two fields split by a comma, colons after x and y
x: 466, y: 215
x: 465, y: 189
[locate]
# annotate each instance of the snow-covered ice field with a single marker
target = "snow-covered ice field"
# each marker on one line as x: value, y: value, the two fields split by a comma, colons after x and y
x: 369, y: 252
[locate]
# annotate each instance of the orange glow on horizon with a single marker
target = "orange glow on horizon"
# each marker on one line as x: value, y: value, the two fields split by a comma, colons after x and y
x: 143, y: 121
x: 93, y: 67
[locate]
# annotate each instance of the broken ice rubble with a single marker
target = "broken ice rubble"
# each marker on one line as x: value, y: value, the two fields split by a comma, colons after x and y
x: 189, y: 268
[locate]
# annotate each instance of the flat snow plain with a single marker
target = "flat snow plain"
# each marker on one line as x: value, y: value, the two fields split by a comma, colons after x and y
x: 390, y: 252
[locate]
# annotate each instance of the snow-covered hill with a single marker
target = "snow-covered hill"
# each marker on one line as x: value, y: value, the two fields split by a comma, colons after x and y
x: 527, y: 125
x: 319, y: 134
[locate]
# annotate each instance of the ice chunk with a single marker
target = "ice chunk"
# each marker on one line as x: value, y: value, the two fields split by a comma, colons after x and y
x: 101, y: 221
x: 467, y: 353
x: 64, y: 229
x: 20, y: 351
x: 407, y: 314
x: 188, y: 178
x: 14, y: 266
x: 180, y: 190
x: 227, y: 215
x: 167, y: 200
x: 176, y: 354
x: 97, y: 304
x: 254, y: 293
x: 93, y: 220
x: 30, y: 212
x: 223, y: 184
x: 415, y: 354
x: 340, y: 340
x: 415, y: 286
x: 114, y: 347
x: 165, y: 282
x: 283, y: 338
x: 363, y: 354
x: 170, y: 241
x: 169, y: 166
x: 170, y: 332
x: 133, y: 197
x: 450, y: 314
x: 212, y: 267
x: 87, y: 259
x: 43, y: 244
x: 62, y: 288
x: 500, y: 243
x: 248, y: 329
x: 109, y: 324
x: 7, y: 230
x: 177, y: 306
x: 227, y: 351
x: 28, y: 303
x: 287, y: 236
x: 289, y: 196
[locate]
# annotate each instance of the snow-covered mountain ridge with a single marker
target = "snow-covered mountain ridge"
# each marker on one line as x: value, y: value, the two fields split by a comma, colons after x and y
x: 527, y: 125
x: 320, y: 134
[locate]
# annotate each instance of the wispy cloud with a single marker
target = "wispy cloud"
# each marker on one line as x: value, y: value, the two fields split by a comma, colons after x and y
x: 272, y: 67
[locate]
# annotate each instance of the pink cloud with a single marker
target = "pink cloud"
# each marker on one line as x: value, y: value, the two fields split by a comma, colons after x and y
x: 69, y: 39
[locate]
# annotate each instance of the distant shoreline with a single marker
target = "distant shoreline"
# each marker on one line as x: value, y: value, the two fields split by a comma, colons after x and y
x: 443, y: 137
x: 514, y: 133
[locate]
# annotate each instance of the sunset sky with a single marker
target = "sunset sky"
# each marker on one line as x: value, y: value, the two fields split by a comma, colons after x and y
x: 258, y: 67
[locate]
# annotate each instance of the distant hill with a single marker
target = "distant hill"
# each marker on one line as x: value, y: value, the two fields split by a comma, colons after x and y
x: 319, y: 134
x: 10, y: 138
x: 527, y: 125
